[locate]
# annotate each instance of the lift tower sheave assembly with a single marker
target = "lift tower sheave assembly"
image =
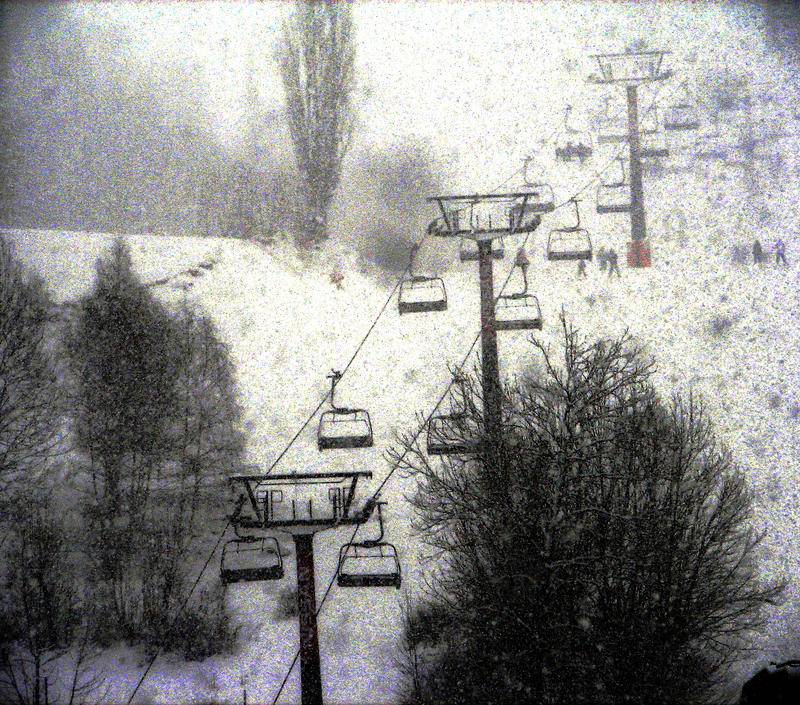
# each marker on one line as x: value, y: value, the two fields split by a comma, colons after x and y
x: 297, y: 504
x: 631, y: 69
x: 483, y: 218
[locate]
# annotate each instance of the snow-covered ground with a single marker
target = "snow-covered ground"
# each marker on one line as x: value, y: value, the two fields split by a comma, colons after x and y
x: 287, y: 326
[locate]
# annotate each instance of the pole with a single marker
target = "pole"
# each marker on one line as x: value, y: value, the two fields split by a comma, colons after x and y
x: 638, y: 225
x: 492, y: 405
x: 310, y: 678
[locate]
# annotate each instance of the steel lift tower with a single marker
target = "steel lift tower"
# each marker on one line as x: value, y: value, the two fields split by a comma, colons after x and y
x: 632, y: 69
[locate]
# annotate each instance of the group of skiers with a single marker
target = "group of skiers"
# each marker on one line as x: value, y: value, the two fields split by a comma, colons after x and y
x: 760, y: 256
x: 606, y: 260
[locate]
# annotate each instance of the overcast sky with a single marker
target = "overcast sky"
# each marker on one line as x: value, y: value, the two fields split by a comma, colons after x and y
x: 482, y: 80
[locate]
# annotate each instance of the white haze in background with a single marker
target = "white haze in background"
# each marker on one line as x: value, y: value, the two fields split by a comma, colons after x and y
x: 481, y: 81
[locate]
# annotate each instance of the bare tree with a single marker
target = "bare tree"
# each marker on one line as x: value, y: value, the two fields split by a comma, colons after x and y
x: 316, y: 56
x: 30, y: 422
x: 600, y: 553
x: 45, y: 657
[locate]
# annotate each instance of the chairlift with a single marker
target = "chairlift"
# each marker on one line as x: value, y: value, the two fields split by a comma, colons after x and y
x: 450, y: 434
x: 615, y: 196
x: 612, y: 129
x: 708, y: 146
x: 571, y: 242
x: 420, y: 294
x: 521, y: 310
x: 540, y: 198
x: 372, y: 563
x: 653, y: 145
x: 249, y: 559
x: 340, y: 427
x: 681, y: 117
x: 518, y: 311
x: 573, y: 144
x: 468, y: 249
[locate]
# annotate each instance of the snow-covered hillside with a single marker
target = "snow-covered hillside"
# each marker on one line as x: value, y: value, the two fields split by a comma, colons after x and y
x: 726, y: 330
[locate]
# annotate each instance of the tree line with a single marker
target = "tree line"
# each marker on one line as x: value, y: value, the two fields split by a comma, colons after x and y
x: 119, y: 426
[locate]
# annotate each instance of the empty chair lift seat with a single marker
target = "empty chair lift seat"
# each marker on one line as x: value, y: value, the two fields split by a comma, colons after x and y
x: 540, y: 199
x: 368, y: 564
x: 569, y: 244
x: 344, y: 428
x: 421, y: 295
x: 450, y: 434
x: 613, y: 198
x: 518, y: 312
x: 251, y: 559
x: 682, y: 116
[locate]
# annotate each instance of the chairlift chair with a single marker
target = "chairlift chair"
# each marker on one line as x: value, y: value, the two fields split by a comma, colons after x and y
x: 521, y: 310
x: 518, y: 311
x: 372, y: 563
x: 653, y: 145
x: 574, y: 144
x: 615, y: 196
x: 251, y: 558
x: 340, y: 427
x: 540, y: 198
x: 451, y: 434
x: 419, y: 294
x: 681, y: 117
x: 422, y: 295
x: 612, y: 131
x: 569, y: 243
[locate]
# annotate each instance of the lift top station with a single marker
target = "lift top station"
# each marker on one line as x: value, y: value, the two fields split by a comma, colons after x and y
x: 299, y: 503
x: 630, y: 67
x: 483, y: 217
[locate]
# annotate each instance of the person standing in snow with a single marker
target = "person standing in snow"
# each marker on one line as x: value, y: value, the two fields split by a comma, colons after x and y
x: 602, y: 258
x: 758, y: 253
x: 780, y: 252
x: 613, y: 265
x: 523, y: 262
x: 582, y: 268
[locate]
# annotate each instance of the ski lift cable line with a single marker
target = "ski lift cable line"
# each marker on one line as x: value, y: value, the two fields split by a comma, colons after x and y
x: 598, y: 174
x: 179, y: 611
x: 348, y: 365
x: 391, y: 472
x: 271, y: 468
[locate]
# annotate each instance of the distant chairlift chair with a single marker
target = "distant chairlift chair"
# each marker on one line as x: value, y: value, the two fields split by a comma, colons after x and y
x: 540, y: 197
x: 420, y: 294
x: 615, y: 197
x: 574, y: 144
x: 682, y: 116
x: 519, y: 311
x: 251, y: 558
x: 453, y: 433
x: 571, y: 242
x: 340, y: 427
x: 371, y: 563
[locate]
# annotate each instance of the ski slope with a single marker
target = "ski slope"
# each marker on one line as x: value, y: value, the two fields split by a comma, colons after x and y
x: 287, y: 326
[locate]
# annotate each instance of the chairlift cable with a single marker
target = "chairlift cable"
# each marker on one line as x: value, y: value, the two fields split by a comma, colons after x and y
x: 272, y: 467
x: 417, y: 434
x: 180, y: 610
